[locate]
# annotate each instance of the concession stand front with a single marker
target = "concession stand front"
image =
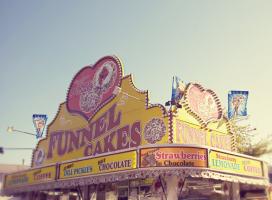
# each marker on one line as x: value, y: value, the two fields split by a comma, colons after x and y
x: 108, y: 141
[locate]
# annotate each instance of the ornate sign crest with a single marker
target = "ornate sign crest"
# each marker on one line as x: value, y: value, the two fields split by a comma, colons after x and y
x: 93, y: 86
x: 111, y: 115
x: 203, y: 104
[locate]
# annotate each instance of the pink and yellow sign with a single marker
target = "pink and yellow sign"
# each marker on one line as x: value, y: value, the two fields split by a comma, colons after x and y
x: 173, y: 157
x: 29, y: 177
x: 200, y: 121
x: 98, y: 165
x: 104, y: 112
x: 202, y: 103
x: 235, y: 164
x: 93, y: 86
x: 187, y: 133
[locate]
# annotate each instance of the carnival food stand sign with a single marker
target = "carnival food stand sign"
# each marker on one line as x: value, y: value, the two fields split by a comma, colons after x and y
x: 200, y: 121
x: 30, y: 177
x: 93, y: 86
x: 104, y: 112
x: 107, y: 132
x: 235, y: 164
x: 202, y: 103
x: 98, y: 165
x: 173, y: 157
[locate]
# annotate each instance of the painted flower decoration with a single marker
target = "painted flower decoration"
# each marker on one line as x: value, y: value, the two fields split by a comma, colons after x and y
x: 154, y: 130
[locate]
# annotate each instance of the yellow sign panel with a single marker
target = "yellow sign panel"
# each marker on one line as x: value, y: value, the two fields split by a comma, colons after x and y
x: 127, y: 121
x: 235, y: 164
x: 173, y: 157
x: 30, y: 177
x: 104, y: 164
x: 190, y: 133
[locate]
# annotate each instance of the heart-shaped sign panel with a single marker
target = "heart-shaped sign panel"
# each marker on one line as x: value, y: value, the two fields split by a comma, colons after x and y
x: 203, y: 104
x: 93, y: 86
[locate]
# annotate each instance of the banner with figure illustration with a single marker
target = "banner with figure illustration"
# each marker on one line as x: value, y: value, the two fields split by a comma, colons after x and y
x: 237, y: 103
x: 178, y: 88
x: 39, y: 122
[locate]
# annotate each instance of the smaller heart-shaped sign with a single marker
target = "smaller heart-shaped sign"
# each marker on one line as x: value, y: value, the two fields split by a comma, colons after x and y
x: 203, y: 104
x: 93, y: 86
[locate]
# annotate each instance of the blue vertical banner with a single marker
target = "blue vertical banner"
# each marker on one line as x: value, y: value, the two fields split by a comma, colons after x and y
x: 178, y: 88
x: 237, y: 103
x: 39, y: 122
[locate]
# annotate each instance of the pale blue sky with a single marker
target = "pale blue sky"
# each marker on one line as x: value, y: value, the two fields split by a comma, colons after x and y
x: 223, y: 45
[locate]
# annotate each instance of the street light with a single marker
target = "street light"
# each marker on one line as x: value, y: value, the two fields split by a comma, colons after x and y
x: 12, y: 129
